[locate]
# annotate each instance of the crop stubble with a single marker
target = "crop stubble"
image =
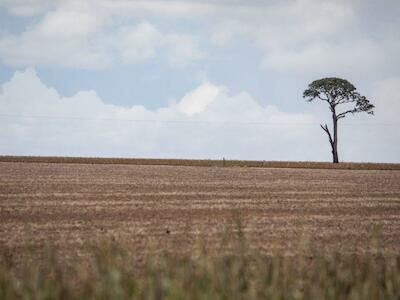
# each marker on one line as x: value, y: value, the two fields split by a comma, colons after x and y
x: 173, y: 206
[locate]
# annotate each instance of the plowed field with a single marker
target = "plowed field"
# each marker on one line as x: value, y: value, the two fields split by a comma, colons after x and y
x: 173, y: 206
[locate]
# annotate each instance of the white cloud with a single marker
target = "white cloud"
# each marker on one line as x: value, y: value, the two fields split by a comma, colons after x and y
x: 61, y: 25
x: 327, y: 58
x: 83, y: 36
x: 300, y: 37
x: 182, y: 49
x: 311, y: 36
x: 144, y: 41
x: 167, y: 9
x: 27, y: 7
x: 285, y: 23
x: 206, y: 123
x: 198, y: 100
x: 138, y: 43
x: 60, y: 38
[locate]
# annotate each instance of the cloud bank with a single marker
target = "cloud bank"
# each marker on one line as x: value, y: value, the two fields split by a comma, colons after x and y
x: 207, y: 122
x: 299, y: 37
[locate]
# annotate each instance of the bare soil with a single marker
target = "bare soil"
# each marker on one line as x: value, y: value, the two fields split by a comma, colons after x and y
x: 174, y: 206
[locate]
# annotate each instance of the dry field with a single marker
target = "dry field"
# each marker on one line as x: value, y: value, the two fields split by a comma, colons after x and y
x: 174, y: 206
x: 203, y: 162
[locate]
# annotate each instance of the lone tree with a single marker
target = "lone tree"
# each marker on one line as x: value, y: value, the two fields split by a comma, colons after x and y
x: 337, y: 91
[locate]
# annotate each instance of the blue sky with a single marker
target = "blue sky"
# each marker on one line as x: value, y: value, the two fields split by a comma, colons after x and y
x: 195, y: 79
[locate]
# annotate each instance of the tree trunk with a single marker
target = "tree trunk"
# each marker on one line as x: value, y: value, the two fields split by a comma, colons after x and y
x: 335, y: 138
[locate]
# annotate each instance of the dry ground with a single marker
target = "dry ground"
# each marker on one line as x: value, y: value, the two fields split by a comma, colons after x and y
x: 172, y: 206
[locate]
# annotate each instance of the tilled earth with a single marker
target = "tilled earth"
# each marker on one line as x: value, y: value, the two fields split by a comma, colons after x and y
x: 175, y: 206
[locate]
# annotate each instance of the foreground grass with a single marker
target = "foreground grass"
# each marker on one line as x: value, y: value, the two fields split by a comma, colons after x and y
x: 231, y: 270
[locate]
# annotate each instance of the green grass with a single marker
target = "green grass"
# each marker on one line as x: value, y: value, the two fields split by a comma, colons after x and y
x: 229, y: 270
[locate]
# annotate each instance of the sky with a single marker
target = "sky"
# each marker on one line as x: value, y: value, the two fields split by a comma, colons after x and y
x: 196, y: 79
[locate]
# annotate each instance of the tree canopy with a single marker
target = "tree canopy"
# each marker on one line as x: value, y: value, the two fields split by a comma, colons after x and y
x: 337, y: 91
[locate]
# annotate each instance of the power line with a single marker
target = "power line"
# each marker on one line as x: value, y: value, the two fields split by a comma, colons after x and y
x: 184, y: 121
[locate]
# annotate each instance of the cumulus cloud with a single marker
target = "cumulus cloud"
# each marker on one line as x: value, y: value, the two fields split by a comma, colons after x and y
x: 61, y: 37
x: 138, y: 43
x: 300, y: 37
x: 198, y: 100
x: 311, y: 36
x: 87, y: 37
x: 280, y: 23
x: 207, y: 122
x: 27, y: 7
x: 327, y: 58
x: 144, y: 41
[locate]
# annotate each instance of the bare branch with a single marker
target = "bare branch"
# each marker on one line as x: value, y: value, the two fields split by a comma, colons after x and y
x: 343, y: 114
x: 326, y: 129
